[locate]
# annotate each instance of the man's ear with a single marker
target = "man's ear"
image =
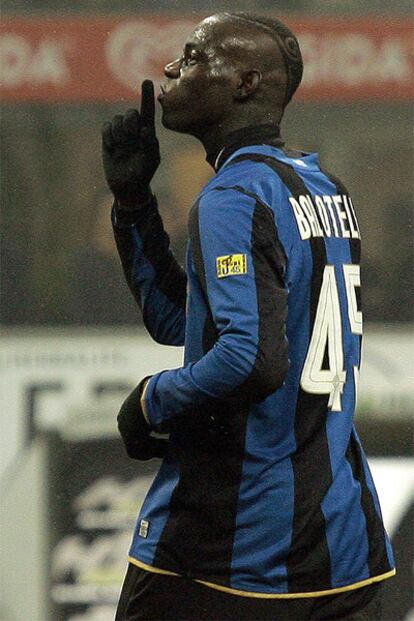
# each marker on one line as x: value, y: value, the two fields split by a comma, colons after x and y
x: 248, y: 84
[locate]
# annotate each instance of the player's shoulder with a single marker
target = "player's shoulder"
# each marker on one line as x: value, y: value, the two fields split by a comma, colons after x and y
x: 246, y: 167
x: 267, y: 159
x: 265, y: 170
x: 226, y: 199
x: 240, y: 180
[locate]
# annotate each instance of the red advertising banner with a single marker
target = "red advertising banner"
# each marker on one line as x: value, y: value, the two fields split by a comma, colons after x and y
x: 89, y: 59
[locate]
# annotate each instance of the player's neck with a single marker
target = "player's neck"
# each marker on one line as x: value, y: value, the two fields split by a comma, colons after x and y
x: 237, y: 121
x: 260, y: 133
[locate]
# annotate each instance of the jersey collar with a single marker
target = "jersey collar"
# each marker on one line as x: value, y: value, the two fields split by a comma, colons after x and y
x: 267, y: 133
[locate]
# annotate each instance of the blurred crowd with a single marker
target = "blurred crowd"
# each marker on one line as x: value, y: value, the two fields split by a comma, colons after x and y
x: 59, y: 265
x: 132, y: 6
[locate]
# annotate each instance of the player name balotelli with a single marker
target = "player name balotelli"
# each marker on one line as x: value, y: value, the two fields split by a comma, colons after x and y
x: 325, y: 216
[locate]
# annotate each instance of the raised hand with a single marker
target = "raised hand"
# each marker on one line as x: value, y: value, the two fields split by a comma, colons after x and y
x: 130, y: 151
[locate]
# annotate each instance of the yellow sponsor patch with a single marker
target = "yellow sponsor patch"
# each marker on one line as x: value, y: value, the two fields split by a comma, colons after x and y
x: 231, y: 265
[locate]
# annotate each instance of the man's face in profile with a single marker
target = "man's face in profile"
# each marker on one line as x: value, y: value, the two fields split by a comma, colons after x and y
x: 198, y: 89
x: 231, y: 70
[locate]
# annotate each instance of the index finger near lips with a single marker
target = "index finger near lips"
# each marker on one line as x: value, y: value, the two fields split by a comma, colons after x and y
x: 147, y: 104
x: 132, y: 122
x: 107, y: 138
x: 118, y: 131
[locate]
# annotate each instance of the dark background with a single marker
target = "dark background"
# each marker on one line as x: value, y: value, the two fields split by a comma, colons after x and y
x: 55, y: 236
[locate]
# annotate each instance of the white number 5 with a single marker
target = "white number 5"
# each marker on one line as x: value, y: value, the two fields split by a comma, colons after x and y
x: 327, y: 335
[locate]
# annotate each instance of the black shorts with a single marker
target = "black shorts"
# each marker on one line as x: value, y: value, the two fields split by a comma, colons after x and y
x: 148, y: 596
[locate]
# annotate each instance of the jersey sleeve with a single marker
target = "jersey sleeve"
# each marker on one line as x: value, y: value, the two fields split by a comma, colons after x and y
x: 155, y: 278
x: 240, y: 265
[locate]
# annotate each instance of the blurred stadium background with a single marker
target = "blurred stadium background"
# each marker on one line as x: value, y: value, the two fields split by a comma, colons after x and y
x: 71, y: 340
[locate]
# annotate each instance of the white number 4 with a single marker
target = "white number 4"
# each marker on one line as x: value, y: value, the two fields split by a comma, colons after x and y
x: 327, y: 333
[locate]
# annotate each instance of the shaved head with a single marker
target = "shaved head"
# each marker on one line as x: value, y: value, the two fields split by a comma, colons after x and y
x: 263, y: 41
x: 287, y: 43
x: 236, y: 70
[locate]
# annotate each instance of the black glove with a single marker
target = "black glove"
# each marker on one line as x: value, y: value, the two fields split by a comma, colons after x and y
x: 135, y: 431
x: 131, y: 152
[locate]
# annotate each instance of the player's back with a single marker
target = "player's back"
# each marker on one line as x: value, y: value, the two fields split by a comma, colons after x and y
x: 304, y: 464
x: 275, y: 496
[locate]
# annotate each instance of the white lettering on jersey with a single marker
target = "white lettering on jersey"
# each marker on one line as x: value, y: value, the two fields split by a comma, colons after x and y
x: 325, y: 216
x: 354, y: 231
x: 341, y: 215
x: 309, y: 210
x: 351, y: 206
x: 328, y: 202
x: 302, y: 222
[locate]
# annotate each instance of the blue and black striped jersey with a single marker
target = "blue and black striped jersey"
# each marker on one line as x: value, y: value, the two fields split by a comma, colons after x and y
x: 265, y: 490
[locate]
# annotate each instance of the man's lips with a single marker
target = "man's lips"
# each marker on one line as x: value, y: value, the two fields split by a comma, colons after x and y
x: 162, y: 93
x: 165, y: 90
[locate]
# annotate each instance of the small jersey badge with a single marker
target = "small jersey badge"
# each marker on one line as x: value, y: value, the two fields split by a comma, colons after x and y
x: 231, y: 265
x: 143, y: 528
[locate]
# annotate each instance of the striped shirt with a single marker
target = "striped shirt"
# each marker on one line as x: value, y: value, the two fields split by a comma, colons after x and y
x: 265, y: 490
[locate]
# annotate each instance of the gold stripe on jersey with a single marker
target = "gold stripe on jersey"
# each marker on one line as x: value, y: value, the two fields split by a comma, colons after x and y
x: 219, y: 587
x: 142, y: 402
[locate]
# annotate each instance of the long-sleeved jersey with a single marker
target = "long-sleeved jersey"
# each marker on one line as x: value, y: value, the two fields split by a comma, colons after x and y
x: 265, y: 490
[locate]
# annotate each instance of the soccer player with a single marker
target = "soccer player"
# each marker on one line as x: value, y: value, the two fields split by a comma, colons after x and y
x: 264, y: 506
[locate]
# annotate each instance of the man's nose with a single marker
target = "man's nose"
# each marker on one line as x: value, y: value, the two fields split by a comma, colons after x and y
x: 172, y: 70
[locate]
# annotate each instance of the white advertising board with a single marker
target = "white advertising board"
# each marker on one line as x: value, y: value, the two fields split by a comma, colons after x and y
x: 52, y: 374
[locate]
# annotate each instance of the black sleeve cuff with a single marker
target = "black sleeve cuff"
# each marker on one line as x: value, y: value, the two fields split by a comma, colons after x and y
x: 125, y: 218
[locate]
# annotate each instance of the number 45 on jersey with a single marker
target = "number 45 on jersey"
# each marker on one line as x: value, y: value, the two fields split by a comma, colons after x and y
x: 327, y: 335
